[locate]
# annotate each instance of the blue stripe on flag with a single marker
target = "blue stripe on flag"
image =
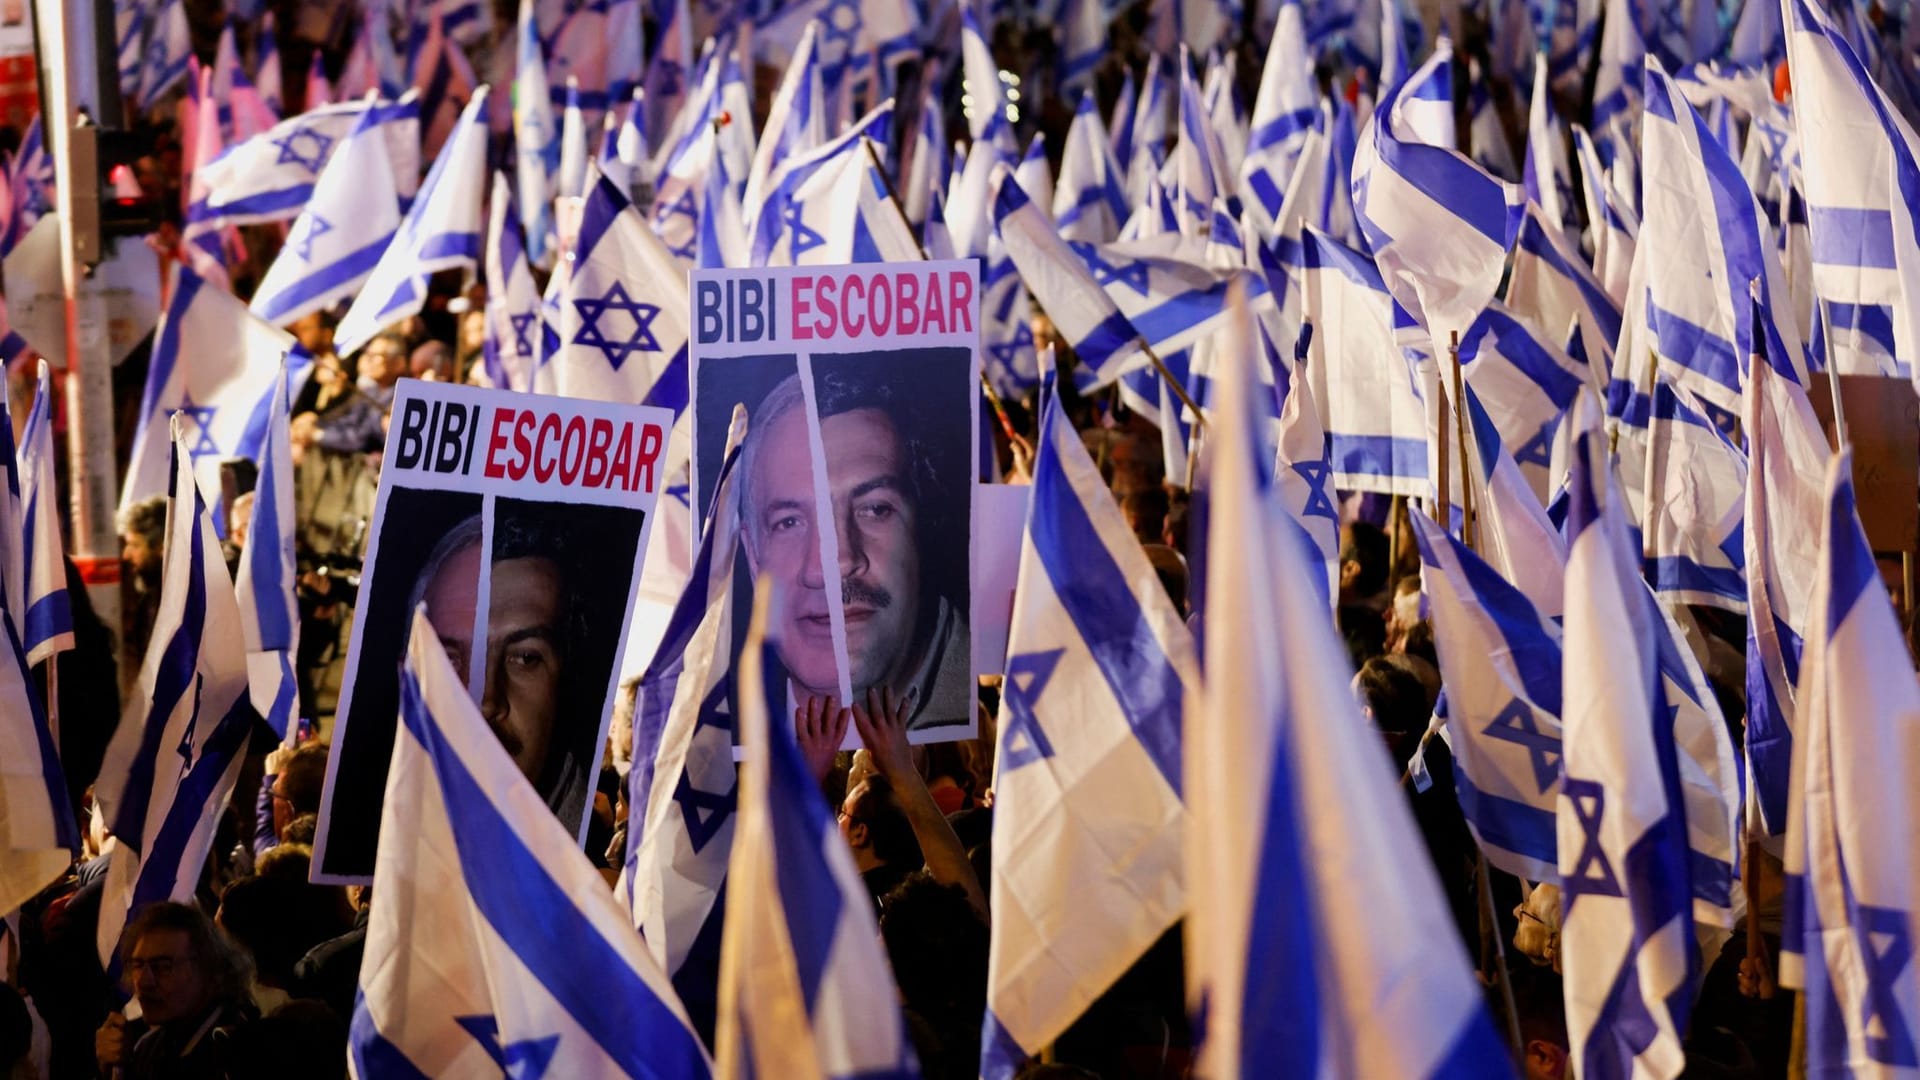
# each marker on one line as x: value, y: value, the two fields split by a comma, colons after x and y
x: 1507, y: 823
x: 1694, y: 347
x: 809, y: 894
x: 340, y: 272
x: 160, y: 867
x: 537, y: 920
x: 1096, y: 596
x: 1378, y: 455
x: 1848, y: 237
x: 1677, y: 573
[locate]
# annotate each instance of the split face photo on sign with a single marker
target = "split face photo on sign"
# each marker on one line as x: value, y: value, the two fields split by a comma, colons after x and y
x: 519, y: 524
x: 876, y: 437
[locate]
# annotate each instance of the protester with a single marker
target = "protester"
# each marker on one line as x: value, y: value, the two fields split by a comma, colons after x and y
x: 191, y: 984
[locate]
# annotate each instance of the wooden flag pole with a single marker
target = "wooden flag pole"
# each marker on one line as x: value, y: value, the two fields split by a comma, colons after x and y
x: 1467, y: 524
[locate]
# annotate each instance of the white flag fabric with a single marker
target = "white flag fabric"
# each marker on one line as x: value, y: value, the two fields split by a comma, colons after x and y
x: 1355, y: 364
x: 1439, y: 225
x: 1088, y: 761
x: 44, y: 614
x: 1787, y: 453
x: 38, y: 837
x: 536, y: 138
x: 339, y: 237
x: 214, y: 364
x: 1089, y: 204
x: 440, y: 232
x: 169, y: 50
x: 512, y: 345
x: 271, y: 176
x: 799, y: 210
x: 1548, y: 180
x: 681, y: 789
x: 1551, y: 284
x: 1284, y: 115
x: 1293, y: 811
x: 1630, y: 960
x: 1526, y: 383
x: 1303, y: 475
x: 1852, y: 885
x: 495, y: 946
x: 1693, y: 503
x: 805, y: 987
x: 264, y: 587
x: 177, y: 752
x: 1501, y: 664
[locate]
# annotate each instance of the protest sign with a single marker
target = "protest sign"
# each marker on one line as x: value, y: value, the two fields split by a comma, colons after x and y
x: 554, y: 498
x: 861, y: 385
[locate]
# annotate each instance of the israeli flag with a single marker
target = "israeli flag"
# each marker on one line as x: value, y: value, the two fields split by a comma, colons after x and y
x: 1088, y: 761
x: 44, y: 616
x: 1089, y: 204
x: 1121, y: 120
x: 1693, y: 500
x: 571, y: 181
x: 841, y: 213
x: 1630, y: 961
x: 931, y: 160
x: 1284, y: 114
x: 669, y: 68
x: 1786, y: 452
x: 1519, y: 539
x: 512, y: 346
x: 441, y: 72
x: 340, y: 236
x: 535, y: 137
x: 1226, y: 117
x: 796, y: 215
x: 1551, y: 284
x: 1485, y: 130
x: 681, y: 789
x: 214, y: 365
x: 131, y: 18
x: 1438, y: 225
x: 702, y: 134
x: 796, y: 121
x: 264, y: 587
x: 1501, y: 662
x: 1525, y: 383
x: 1303, y: 475
x: 623, y: 158
x: 1105, y: 342
x: 440, y: 232
x: 271, y: 175
x: 1848, y: 938
x: 987, y: 113
x: 1083, y: 44
x: 1548, y: 179
x: 1859, y: 172
x: 30, y: 185
x: 1704, y: 244
x: 1199, y: 164
x: 1280, y: 769
x: 495, y: 946
x: 177, y: 752
x: 805, y: 987
x: 626, y: 45
x: 1614, y: 234
x: 266, y: 65
x: 1620, y: 62
x: 623, y: 312
x: 169, y: 48
x: 1151, y: 128
x: 40, y: 838
x: 1373, y: 416
x: 242, y: 113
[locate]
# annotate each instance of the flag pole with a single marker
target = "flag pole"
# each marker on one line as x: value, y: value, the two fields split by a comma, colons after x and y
x: 1491, y: 927
x: 1467, y: 530
x: 1833, y: 378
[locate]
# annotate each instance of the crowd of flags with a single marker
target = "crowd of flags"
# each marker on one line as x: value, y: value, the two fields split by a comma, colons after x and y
x: 1583, y: 358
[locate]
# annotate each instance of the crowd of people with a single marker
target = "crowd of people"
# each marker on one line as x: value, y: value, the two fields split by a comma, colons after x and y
x: 257, y: 975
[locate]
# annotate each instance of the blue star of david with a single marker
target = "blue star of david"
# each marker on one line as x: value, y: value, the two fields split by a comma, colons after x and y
x: 522, y: 325
x: 314, y: 228
x: 527, y: 1059
x: 804, y: 238
x: 1592, y: 873
x: 840, y: 21
x: 1319, y: 503
x: 1131, y: 274
x: 1027, y: 677
x: 682, y: 206
x: 1725, y: 421
x: 704, y: 812
x: 1516, y: 724
x: 1539, y: 449
x: 683, y: 493
x: 1886, y: 950
x: 688, y: 250
x: 1009, y: 351
x: 616, y: 299
x: 202, y: 417
x: 312, y: 157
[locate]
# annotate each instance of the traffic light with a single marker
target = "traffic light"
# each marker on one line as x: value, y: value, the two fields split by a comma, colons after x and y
x: 107, y: 202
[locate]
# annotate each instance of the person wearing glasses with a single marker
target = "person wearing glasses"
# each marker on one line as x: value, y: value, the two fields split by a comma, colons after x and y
x: 191, y: 984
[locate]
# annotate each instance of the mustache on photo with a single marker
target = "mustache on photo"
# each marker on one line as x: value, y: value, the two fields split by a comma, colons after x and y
x: 855, y: 591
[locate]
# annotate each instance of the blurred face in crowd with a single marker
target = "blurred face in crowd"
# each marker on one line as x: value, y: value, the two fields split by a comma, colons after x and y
x: 873, y: 519
x: 166, y: 977
x: 383, y: 362
x: 523, y: 652
x: 313, y: 333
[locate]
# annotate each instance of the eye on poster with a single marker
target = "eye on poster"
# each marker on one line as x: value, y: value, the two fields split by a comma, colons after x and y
x: 519, y: 522
x: 857, y: 474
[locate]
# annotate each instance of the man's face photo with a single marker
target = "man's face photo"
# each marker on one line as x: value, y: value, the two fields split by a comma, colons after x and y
x: 523, y: 659
x: 874, y: 522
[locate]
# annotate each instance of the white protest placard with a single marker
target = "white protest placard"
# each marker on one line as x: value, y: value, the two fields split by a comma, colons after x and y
x: 861, y: 385
x: 519, y: 522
